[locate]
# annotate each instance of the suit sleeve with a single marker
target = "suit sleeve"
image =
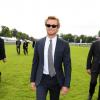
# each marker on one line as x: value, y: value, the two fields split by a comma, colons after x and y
x: 67, y: 65
x: 89, y: 58
x: 3, y: 55
x: 34, y: 64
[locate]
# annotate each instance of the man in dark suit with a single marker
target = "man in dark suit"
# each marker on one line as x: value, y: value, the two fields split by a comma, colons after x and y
x: 18, y: 44
x: 25, y: 47
x: 93, y: 67
x: 47, y: 73
x: 2, y: 52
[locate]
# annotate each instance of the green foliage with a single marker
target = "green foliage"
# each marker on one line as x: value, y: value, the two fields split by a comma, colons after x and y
x: 14, y: 32
x: 6, y: 32
x: 68, y: 37
x: 83, y: 37
x: 90, y: 38
x: 15, y: 83
x: 76, y: 38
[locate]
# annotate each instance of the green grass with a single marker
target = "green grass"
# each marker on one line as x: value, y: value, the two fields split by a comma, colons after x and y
x: 15, y: 83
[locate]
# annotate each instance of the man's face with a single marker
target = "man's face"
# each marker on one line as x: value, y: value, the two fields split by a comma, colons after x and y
x: 52, y: 27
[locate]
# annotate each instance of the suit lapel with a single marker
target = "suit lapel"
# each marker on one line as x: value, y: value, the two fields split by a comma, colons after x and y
x: 56, y: 50
x: 42, y: 48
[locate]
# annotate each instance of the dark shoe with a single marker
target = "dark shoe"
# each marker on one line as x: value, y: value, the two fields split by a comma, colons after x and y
x: 89, y: 97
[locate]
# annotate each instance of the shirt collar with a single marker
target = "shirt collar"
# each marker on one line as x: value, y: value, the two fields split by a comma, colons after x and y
x: 53, y: 39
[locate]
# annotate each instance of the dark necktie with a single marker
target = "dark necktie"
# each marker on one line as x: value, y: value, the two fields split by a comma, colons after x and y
x: 50, y: 61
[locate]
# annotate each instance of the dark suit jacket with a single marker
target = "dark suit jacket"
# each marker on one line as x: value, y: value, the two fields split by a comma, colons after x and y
x: 2, y: 49
x: 93, y: 60
x: 33, y: 44
x: 62, y: 55
x: 18, y: 43
x: 25, y: 45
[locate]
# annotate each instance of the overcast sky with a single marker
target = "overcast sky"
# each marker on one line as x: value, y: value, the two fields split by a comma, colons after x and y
x: 76, y: 16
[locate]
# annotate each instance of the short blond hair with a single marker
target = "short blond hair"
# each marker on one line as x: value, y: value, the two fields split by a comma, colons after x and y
x: 53, y: 18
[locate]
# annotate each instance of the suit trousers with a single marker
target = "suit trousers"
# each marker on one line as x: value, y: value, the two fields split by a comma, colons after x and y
x: 25, y: 51
x: 18, y: 50
x: 48, y: 84
x: 93, y: 83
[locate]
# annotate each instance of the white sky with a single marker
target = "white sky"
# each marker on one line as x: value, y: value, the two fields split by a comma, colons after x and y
x: 76, y: 16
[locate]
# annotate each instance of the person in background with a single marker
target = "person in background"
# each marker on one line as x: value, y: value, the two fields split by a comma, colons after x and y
x: 18, y: 44
x: 47, y: 72
x: 2, y: 52
x: 25, y: 47
x: 93, y: 67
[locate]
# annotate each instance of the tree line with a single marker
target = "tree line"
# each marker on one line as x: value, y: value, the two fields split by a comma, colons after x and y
x: 78, y: 39
x: 6, y: 32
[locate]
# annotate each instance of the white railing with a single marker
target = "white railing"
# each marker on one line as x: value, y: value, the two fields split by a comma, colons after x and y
x: 81, y: 44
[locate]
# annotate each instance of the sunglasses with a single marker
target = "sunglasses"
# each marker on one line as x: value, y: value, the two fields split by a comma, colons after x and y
x: 53, y: 26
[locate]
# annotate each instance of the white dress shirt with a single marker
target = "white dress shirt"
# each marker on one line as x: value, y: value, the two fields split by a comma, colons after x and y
x: 47, y: 42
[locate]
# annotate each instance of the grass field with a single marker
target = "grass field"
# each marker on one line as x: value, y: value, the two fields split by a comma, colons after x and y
x: 15, y: 83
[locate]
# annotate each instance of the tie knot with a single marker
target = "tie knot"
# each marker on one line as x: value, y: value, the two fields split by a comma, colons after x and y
x: 50, y: 41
